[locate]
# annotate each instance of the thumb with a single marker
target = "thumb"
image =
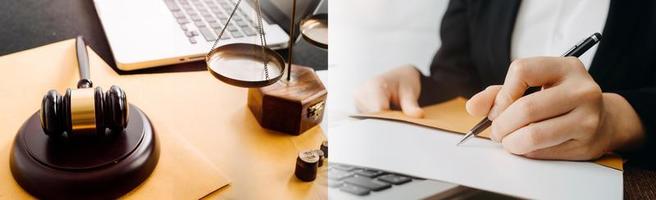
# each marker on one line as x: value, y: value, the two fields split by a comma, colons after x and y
x: 408, y: 103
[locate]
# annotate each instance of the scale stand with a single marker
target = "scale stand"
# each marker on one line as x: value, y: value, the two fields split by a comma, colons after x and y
x: 291, y: 105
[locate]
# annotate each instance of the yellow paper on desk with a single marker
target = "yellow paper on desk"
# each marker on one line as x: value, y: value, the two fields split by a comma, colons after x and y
x: 181, y: 173
x: 452, y: 116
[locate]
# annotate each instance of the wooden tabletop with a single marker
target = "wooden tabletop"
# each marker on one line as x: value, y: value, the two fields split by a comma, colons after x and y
x: 189, y: 107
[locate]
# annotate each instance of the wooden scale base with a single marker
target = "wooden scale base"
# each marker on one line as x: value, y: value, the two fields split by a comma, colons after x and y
x: 290, y: 107
x: 89, y: 168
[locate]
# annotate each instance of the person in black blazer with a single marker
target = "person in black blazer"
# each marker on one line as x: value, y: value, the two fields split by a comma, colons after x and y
x: 579, y: 114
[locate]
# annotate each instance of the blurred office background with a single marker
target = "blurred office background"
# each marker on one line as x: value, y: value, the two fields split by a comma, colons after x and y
x: 369, y: 37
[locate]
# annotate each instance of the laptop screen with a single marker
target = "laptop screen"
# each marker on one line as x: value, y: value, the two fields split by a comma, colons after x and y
x: 279, y: 11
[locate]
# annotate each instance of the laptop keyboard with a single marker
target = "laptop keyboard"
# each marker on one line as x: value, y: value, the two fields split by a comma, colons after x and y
x: 208, y: 17
x: 363, y: 181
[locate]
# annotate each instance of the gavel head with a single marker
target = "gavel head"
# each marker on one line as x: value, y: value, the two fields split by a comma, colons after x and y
x: 84, y: 111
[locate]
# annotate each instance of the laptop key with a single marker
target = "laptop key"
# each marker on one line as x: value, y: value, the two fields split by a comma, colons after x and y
x: 354, y: 190
x: 215, y: 25
x: 225, y: 36
x: 207, y: 33
x: 183, y: 20
x: 232, y: 28
x: 334, y: 183
x: 368, y: 183
x: 242, y: 23
x: 338, y: 175
x: 209, y: 18
x: 369, y: 173
x: 189, y: 34
x: 236, y: 34
x: 343, y: 167
x: 199, y: 24
x: 394, y: 179
x: 249, y: 31
x: 192, y: 40
x: 172, y: 5
x: 178, y: 14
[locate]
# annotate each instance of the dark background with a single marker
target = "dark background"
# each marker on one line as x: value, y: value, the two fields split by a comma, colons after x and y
x: 25, y: 24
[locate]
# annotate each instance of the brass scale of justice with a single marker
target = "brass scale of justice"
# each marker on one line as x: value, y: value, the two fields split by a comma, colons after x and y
x: 291, y: 105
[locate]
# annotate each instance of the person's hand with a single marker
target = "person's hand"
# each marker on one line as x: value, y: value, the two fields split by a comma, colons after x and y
x: 399, y: 87
x: 570, y: 118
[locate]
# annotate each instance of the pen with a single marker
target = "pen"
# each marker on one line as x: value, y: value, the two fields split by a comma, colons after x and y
x: 576, y: 51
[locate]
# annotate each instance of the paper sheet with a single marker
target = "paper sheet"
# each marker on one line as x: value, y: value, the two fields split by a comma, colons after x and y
x: 181, y: 173
x: 479, y: 163
x: 453, y: 117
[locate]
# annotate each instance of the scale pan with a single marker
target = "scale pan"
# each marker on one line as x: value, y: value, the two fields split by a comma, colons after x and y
x: 315, y: 30
x: 243, y: 65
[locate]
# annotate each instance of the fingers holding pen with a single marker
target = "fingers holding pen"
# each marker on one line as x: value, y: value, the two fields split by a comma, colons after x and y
x: 525, y: 73
x: 548, y: 103
x: 481, y: 103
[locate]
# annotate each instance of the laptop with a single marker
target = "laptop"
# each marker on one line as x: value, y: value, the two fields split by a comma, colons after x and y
x: 151, y: 33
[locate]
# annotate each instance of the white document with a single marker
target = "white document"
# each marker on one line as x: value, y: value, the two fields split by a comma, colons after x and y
x: 479, y: 163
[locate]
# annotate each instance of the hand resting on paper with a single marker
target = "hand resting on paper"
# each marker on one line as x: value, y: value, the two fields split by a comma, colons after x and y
x: 399, y: 87
x: 569, y: 119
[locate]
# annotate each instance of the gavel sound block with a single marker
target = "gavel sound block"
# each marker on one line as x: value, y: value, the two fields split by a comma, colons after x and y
x: 85, y: 168
x: 290, y: 107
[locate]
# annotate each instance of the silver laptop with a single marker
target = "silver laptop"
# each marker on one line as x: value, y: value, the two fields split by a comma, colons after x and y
x: 151, y: 33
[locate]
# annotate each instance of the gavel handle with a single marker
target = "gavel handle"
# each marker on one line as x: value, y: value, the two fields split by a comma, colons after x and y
x: 83, y: 63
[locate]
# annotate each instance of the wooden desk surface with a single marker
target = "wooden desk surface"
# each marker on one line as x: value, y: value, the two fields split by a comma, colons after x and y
x: 207, y: 113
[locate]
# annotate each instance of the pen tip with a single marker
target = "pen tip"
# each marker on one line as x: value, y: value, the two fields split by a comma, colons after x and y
x: 467, y: 136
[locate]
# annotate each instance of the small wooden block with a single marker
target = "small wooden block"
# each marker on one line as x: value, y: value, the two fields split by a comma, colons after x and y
x: 290, y: 107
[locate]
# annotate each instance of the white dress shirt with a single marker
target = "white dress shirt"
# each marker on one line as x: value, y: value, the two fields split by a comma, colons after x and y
x: 551, y: 27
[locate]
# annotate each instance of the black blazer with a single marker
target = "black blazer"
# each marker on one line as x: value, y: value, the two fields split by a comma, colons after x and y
x: 475, y: 53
